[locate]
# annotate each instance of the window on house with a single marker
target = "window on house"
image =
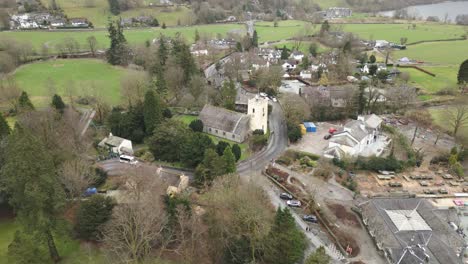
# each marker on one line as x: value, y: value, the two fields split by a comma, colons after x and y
x: 224, y: 133
x: 233, y: 136
x: 209, y: 129
x: 216, y: 131
x: 253, y: 110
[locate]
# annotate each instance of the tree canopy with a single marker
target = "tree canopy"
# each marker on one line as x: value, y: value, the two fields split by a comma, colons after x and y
x: 462, y: 76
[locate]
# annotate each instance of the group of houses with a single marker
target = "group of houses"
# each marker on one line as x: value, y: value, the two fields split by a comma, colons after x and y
x: 46, y: 20
x: 335, y: 12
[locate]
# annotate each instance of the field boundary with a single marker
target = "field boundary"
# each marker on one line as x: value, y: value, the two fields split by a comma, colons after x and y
x: 435, y: 40
x: 418, y: 68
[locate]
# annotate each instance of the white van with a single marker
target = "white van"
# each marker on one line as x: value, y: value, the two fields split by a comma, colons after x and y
x: 128, y: 159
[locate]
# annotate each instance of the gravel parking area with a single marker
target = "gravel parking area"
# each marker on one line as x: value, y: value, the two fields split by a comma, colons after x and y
x: 313, y: 142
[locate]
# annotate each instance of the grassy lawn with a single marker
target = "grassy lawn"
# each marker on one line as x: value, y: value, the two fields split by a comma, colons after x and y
x: 133, y: 36
x: 70, y: 250
x: 393, y: 32
x: 286, y: 29
x: 445, y: 77
x: 447, y: 52
x: 186, y: 119
x: 99, y: 13
x: 331, y: 3
x: 7, y: 232
x: 90, y: 77
x: 244, y: 146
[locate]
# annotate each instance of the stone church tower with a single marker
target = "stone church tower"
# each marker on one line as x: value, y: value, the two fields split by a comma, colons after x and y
x: 257, y: 109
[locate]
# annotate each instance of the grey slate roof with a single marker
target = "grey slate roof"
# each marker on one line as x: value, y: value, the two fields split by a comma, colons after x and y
x: 112, y: 141
x: 373, y: 121
x: 225, y: 120
x: 356, y: 131
x: 436, y: 246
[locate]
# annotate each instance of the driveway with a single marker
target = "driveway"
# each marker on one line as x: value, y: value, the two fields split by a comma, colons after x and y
x: 313, y: 142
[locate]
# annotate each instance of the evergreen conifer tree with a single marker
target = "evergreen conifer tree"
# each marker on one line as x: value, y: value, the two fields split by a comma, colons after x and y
x: 152, y: 111
x: 230, y: 160
x: 286, y: 242
x: 58, y: 103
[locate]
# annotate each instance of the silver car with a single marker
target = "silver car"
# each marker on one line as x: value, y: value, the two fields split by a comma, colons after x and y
x: 293, y: 203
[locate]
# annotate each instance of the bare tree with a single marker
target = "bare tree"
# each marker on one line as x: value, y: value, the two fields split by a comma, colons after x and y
x: 76, y: 176
x: 9, y: 92
x: 196, y: 87
x: 235, y: 211
x: 138, y: 223
x: 92, y: 43
x: 400, y: 97
x: 457, y: 117
x: 422, y: 118
x: 71, y: 45
x: 133, y: 87
x: 295, y: 108
x: 174, y: 80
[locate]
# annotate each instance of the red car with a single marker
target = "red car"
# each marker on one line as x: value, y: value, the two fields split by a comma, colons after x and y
x: 332, y: 130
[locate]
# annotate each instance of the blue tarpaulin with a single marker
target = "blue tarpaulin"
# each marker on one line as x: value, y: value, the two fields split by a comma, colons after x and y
x: 310, y: 127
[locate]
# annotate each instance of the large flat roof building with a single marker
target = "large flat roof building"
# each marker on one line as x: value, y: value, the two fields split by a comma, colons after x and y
x: 412, y: 230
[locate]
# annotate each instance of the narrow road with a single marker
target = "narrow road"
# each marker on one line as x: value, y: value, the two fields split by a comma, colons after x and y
x: 276, y: 145
x: 250, y: 169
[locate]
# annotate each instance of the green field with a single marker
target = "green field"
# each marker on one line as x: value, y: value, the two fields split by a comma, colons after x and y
x: 446, y: 52
x: 89, y: 76
x: 446, y: 77
x: 186, y: 119
x: 133, y: 36
x: 393, y: 32
x: 285, y: 30
x: 99, y: 13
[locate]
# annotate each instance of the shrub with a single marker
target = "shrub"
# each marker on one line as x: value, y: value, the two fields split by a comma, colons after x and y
x: 258, y: 132
x: 378, y: 163
x: 258, y: 141
x: 91, y: 215
x: 100, y: 176
x: 294, y: 132
x: 196, y: 125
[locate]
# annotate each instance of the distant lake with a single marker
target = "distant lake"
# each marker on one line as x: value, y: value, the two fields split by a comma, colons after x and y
x: 452, y: 9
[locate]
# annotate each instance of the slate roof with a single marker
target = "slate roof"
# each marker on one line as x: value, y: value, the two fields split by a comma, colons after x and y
x: 343, y: 139
x: 356, y: 130
x: 431, y: 239
x: 225, y: 120
x: 112, y: 141
x: 372, y: 121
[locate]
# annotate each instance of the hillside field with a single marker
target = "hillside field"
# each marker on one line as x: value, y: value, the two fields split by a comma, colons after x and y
x: 133, y: 36
x: 437, y: 53
x: 393, y: 32
x: 97, y: 11
x: 446, y: 77
x: 89, y: 77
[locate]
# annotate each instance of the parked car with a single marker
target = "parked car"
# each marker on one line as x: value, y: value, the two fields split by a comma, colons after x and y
x: 327, y: 136
x: 351, y: 174
x: 310, y: 218
x: 443, y: 191
x: 286, y: 196
x: 332, y: 130
x: 274, y: 99
x: 293, y: 203
x: 263, y: 95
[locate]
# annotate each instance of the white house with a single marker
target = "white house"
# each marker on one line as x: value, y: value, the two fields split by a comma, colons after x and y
x: 117, y: 145
x: 379, y: 44
x: 356, y: 137
x: 200, y: 52
x: 288, y: 65
x: 297, y: 55
x: 305, y: 74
